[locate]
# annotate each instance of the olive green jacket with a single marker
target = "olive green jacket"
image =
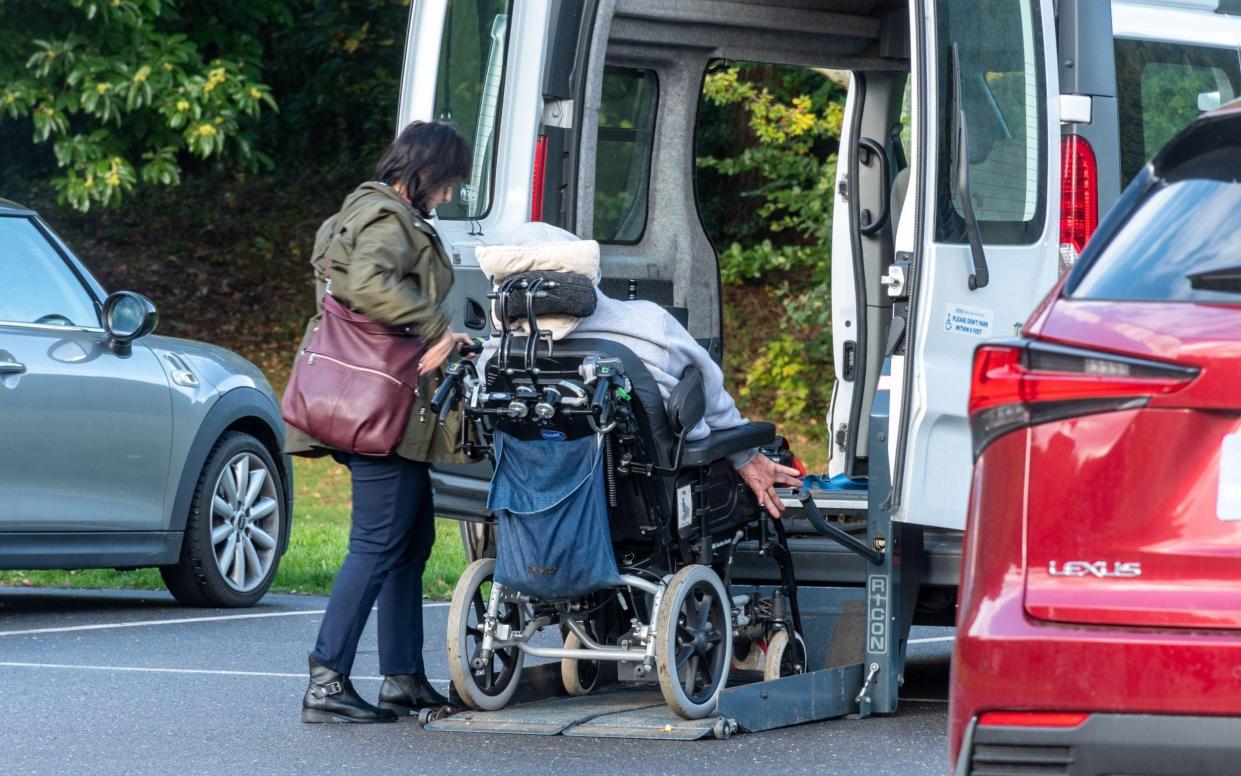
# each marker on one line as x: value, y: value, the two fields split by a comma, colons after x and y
x: 387, y: 263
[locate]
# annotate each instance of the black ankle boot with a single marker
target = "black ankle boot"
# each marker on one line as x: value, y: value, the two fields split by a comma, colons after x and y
x: 331, y: 698
x: 406, y: 693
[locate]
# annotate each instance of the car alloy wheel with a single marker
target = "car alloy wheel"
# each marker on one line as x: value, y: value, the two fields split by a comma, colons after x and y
x: 237, y: 523
x: 245, y: 521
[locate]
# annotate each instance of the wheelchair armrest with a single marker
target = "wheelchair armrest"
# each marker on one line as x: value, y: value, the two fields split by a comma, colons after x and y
x: 720, y: 444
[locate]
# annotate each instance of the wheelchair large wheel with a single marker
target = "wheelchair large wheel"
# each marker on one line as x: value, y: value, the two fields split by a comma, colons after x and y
x: 694, y: 644
x: 489, y: 684
x: 579, y: 677
x: 786, y: 656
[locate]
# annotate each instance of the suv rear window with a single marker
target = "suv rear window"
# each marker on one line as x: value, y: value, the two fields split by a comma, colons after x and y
x: 1160, y: 88
x: 1179, y: 243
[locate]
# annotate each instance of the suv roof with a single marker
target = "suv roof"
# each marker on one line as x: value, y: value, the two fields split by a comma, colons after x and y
x: 8, y: 204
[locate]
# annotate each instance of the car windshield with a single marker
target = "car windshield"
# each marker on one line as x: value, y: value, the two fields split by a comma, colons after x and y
x: 1183, y: 231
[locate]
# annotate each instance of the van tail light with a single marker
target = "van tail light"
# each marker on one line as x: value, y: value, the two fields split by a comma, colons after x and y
x: 1041, y: 719
x: 1020, y: 384
x: 1079, y: 198
x: 536, y: 184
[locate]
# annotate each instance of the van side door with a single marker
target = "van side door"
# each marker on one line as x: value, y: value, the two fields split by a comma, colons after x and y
x: 988, y: 149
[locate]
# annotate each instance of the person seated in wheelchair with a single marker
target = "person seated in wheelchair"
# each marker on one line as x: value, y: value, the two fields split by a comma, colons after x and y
x: 619, y: 495
x: 665, y: 347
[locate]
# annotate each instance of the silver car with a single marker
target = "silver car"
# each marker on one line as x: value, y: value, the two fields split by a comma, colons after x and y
x: 121, y: 449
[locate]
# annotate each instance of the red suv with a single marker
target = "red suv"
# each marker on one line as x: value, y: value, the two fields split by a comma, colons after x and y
x: 1099, y: 629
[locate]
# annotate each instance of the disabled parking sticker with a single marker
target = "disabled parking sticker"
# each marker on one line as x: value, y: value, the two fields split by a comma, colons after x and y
x: 1228, y: 504
x: 968, y: 321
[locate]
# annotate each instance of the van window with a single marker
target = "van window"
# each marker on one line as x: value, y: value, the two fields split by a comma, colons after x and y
x: 1003, y: 94
x: 623, y: 155
x: 1172, y: 242
x: 467, y: 92
x: 1160, y: 88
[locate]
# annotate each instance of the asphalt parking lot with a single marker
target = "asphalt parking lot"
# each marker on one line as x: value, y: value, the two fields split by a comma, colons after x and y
x: 120, y: 682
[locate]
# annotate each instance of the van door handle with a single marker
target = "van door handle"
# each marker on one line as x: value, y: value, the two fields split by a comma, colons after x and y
x: 11, y: 368
x: 475, y: 315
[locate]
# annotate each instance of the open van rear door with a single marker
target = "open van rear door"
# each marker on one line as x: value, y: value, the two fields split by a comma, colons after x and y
x: 460, y: 66
x: 986, y: 242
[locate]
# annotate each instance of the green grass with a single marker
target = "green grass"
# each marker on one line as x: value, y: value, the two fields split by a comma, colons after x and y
x: 316, y: 546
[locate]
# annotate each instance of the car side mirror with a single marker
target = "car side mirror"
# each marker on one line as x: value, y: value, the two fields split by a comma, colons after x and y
x: 687, y: 404
x: 126, y: 317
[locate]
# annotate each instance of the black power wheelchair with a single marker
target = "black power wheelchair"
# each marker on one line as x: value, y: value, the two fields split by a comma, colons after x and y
x: 677, y: 511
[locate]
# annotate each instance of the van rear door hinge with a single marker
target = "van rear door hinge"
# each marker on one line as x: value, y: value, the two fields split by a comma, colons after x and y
x: 558, y: 113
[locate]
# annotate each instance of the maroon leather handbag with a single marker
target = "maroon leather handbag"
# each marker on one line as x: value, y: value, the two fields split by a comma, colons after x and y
x: 353, y: 385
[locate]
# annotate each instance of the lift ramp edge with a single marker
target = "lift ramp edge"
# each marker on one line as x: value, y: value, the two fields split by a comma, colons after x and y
x: 548, y: 717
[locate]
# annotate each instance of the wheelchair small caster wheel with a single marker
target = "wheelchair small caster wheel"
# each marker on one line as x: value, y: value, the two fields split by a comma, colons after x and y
x: 723, y: 728
x: 786, y: 656
x: 579, y: 677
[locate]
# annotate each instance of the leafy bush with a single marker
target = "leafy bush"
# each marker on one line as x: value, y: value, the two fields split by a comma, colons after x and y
x: 131, y: 91
x: 121, y: 88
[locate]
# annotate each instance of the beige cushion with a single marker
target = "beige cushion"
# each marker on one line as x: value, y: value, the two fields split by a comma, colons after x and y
x: 498, y: 262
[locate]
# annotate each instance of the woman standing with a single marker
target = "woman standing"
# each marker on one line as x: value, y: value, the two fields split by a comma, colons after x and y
x: 380, y: 257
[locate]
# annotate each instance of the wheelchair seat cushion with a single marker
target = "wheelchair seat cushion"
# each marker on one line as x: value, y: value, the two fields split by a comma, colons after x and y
x: 720, y: 444
x: 553, y: 537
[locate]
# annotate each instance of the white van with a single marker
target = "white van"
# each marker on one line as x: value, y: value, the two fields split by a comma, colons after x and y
x: 1132, y: 74
x: 947, y: 232
x: 918, y: 279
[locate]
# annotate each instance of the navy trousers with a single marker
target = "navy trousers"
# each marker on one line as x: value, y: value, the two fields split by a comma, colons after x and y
x: 390, y: 540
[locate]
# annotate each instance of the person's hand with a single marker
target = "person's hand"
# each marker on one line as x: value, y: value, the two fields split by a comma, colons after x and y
x: 439, y: 351
x: 763, y: 475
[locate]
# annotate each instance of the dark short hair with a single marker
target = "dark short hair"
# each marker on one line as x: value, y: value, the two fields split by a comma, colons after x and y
x: 425, y: 157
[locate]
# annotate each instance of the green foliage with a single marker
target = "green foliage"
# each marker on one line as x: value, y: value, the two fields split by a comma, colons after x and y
x: 120, y: 89
x: 777, y: 186
x: 336, y: 72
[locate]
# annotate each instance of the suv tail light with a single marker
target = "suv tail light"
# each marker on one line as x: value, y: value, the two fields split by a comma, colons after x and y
x: 1020, y: 384
x: 1079, y: 198
x: 536, y: 183
x: 1058, y: 719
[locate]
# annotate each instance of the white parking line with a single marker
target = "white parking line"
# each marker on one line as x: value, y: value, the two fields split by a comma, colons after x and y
x: 143, y: 623
x: 208, y: 672
x: 935, y: 640
x: 177, y: 621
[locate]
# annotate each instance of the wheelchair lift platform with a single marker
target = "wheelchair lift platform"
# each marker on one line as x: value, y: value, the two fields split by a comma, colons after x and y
x: 641, y: 713
x: 856, y: 633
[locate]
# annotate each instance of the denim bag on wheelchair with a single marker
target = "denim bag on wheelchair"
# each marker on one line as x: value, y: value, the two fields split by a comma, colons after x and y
x: 549, y: 500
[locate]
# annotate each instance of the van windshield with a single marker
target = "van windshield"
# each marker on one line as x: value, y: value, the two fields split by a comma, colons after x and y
x: 467, y: 92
